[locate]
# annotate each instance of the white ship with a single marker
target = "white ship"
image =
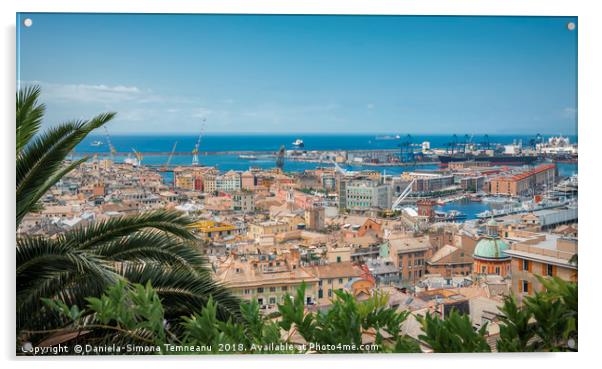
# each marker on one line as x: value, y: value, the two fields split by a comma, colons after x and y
x: 298, y: 142
x: 96, y: 143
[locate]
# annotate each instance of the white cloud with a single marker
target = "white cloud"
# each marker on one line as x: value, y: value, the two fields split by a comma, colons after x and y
x: 201, y: 112
x: 90, y: 93
x: 569, y: 112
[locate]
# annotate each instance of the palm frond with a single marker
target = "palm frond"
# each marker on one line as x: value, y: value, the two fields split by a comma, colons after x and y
x: 183, y: 294
x: 39, y: 162
x: 29, y: 115
x: 102, y: 232
x: 155, y: 247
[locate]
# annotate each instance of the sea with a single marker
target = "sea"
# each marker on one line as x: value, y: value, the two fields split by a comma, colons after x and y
x: 271, y: 143
x: 222, y: 142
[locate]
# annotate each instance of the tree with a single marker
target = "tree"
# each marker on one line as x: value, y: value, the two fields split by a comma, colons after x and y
x: 453, y: 334
x: 547, y: 321
x: 343, y: 326
x: 516, y: 328
x: 154, y: 246
x: 134, y: 314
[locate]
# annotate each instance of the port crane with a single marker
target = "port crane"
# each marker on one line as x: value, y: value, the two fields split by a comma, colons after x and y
x: 138, y: 155
x: 280, y: 158
x: 173, y: 150
x: 451, y: 147
x: 111, y: 147
x: 402, y: 196
x: 195, y: 151
x: 406, y: 152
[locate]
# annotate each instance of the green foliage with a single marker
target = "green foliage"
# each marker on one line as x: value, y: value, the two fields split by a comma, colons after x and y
x: 345, y: 323
x: 134, y: 314
x: 453, y: 334
x: 547, y: 321
x: 516, y: 330
x: 254, y: 335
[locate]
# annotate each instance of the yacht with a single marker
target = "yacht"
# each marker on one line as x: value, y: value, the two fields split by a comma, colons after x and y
x: 298, y: 142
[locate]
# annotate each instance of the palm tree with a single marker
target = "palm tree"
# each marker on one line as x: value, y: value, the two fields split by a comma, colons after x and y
x: 154, y: 246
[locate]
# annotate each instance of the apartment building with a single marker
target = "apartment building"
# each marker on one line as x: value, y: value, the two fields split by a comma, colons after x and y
x: 546, y: 255
x: 364, y: 194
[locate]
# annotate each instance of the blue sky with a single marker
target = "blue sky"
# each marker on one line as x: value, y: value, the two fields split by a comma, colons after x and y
x: 352, y: 74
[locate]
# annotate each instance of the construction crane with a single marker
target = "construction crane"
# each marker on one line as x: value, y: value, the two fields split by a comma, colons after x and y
x: 173, y: 150
x: 138, y: 155
x: 195, y: 151
x: 280, y: 158
x: 402, y: 196
x: 111, y: 147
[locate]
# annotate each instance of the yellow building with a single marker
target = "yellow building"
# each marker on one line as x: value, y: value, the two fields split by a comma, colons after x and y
x: 258, y: 230
x: 185, y: 181
x: 208, y: 229
x: 334, y: 277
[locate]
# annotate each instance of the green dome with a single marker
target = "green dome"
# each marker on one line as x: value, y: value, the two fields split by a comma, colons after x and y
x: 491, y: 248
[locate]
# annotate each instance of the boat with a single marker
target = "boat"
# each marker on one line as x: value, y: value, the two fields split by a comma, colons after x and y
x: 525, y: 207
x: 96, y: 143
x: 387, y: 138
x: 449, y: 216
x: 298, y: 142
x: 247, y: 157
x: 494, y: 160
x: 498, y: 200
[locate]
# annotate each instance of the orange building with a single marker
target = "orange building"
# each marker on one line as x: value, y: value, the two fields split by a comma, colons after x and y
x: 521, y: 184
x: 489, y: 253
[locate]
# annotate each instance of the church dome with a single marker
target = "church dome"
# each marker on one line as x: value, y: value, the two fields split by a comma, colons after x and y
x: 491, y: 248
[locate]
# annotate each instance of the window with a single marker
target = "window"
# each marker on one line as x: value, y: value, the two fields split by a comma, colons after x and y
x: 525, y: 265
x: 330, y: 281
x: 247, y: 292
x: 260, y: 301
x: 338, y: 259
x: 272, y: 289
x: 550, y: 270
x: 260, y: 290
x: 320, y: 293
x: 320, y: 283
x: 329, y: 292
x: 272, y: 300
x: 497, y: 270
x: 483, y: 269
x: 525, y: 287
x: 340, y: 280
x: 284, y: 288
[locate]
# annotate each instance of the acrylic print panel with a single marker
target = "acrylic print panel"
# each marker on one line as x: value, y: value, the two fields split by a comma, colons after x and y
x: 266, y: 184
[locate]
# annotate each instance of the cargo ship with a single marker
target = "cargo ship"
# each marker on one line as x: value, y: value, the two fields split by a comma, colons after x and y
x: 494, y: 160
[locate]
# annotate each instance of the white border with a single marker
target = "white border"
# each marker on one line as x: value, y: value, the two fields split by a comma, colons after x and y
x: 590, y: 60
